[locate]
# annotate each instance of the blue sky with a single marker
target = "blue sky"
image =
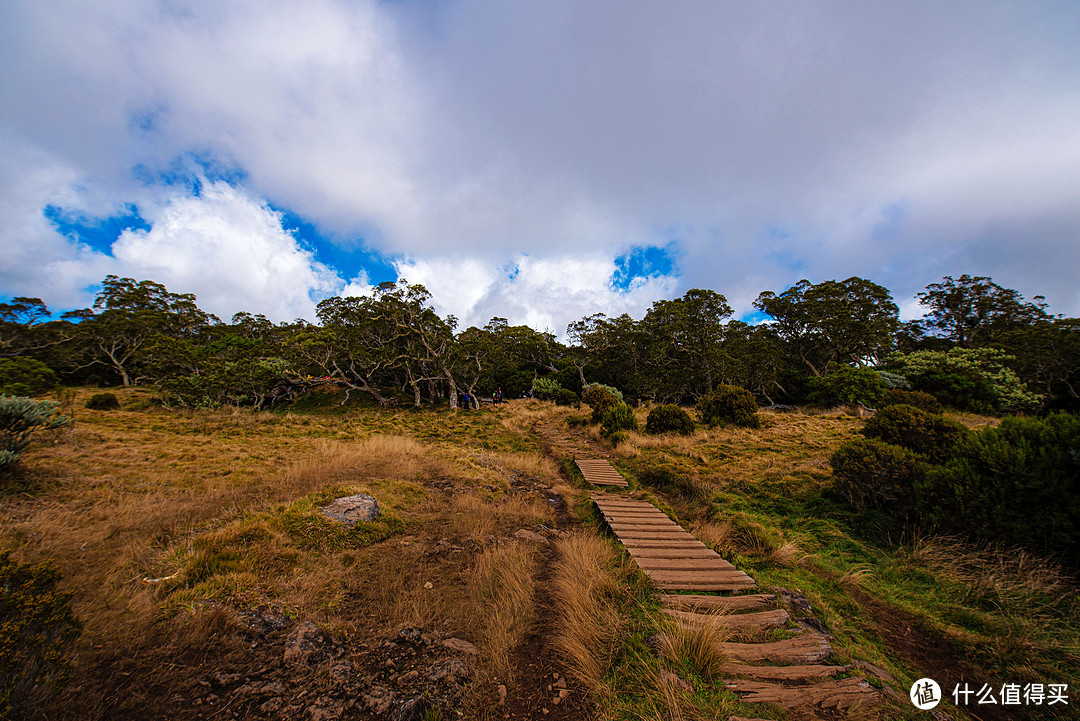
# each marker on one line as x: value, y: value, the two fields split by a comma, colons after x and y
x: 536, y: 161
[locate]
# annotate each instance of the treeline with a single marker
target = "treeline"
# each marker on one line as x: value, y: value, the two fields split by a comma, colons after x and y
x: 979, y: 347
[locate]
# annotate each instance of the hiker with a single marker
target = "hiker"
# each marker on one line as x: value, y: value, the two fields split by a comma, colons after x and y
x: 498, y: 395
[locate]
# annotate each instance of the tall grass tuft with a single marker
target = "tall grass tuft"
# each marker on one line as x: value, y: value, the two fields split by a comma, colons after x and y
x: 587, y: 615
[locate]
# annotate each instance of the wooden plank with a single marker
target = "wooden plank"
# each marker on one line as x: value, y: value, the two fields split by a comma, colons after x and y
x: 738, y: 621
x: 672, y: 535
x: 684, y: 564
x: 643, y: 543
x: 637, y: 552
x: 841, y: 694
x: 810, y: 647
x: 784, y: 673
x: 711, y: 586
x: 694, y: 576
x: 690, y: 602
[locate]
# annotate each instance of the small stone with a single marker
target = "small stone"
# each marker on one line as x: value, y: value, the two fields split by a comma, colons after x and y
x: 429, y: 585
x: 352, y: 509
x: 461, y: 646
x: 555, y: 675
x: 563, y: 693
x: 674, y: 680
x: 526, y: 535
x: 546, y: 712
x: 450, y: 669
x: 302, y: 643
x: 502, y: 694
x: 561, y: 683
x: 556, y: 701
x: 409, y: 677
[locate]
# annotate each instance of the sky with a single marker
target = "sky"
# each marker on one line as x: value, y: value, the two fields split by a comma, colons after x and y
x: 537, y: 161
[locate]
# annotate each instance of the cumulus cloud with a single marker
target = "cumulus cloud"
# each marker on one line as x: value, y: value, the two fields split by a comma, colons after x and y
x: 544, y: 293
x: 898, y: 142
x: 231, y: 251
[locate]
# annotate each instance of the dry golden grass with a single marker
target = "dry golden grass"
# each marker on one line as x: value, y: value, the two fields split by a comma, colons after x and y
x: 987, y: 571
x: 587, y: 618
x: 503, y: 591
x: 697, y: 646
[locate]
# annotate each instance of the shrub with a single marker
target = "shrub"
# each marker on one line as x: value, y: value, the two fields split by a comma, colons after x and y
x: 846, y: 386
x: 930, y: 435
x: 876, y: 475
x: 599, y: 400
x: 103, y: 402
x: 729, y: 404
x: 975, y: 379
x: 19, y: 418
x: 893, y: 381
x: 917, y: 399
x: 618, y: 437
x: 610, y: 390
x: 619, y: 417
x: 25, y: 376
x: 37, y: 630
x: 1015, y: 484
x: 566, y: 397
x: 669, y: 418
x: 545, y: 388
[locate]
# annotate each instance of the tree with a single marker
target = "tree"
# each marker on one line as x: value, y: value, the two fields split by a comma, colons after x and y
x: 833, y: 322
x: 131, y: 314
x: 975, y: 311
x: 21, y: 329
x: 685, y: 337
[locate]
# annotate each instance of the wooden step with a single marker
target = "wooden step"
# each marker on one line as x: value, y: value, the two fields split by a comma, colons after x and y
x: 650, y: 552
x: 690, y: 602
x: 706, y: 586
x: 736, y: 621
x: 683, y: 564
x: 810, y: 647
x: 633, y: 544
x: 841, y: 694
x: 672, y: 535
x: 784, y: 673
x: 690, y: 576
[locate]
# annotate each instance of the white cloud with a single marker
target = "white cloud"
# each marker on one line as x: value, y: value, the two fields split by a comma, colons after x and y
x: 544, y: 293
x: 231, y: 251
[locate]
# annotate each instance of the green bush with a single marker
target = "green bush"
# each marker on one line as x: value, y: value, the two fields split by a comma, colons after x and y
x: 37, y: 631
x: 876, y: 475
x: 25, y: 377
x: 599, y: 400
x: 1015, y: 484
x: 893, y: 381
x: 974, y: 379
x: 729, y: 404
x: 610, y: 390
x: 103, y: 402
x: 545, y: 389
x: 566, y: 397
x: 918, y: 399
x: 927, y: 434
x: 618, y: 437
x: 619, y: 417
x: 669, y: 419
x: 19, y: 418
x: 846, y: 386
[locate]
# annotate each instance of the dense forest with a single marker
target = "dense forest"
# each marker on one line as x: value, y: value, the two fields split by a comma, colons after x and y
x: 980, y: 347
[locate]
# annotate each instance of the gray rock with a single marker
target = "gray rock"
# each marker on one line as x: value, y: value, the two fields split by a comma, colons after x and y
x: 449, y: 669
x: 461, y: 646
x: 351, y: 509
x: 304, y: 642
x: 526, y: 535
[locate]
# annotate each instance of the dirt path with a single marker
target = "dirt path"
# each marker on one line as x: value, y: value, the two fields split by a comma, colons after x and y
x: 560, y: 442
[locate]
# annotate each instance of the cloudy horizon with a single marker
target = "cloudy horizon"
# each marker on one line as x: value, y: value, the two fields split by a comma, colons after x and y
x: 537, y: 161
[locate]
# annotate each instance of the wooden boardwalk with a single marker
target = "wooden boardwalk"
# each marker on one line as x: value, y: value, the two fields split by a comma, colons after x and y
x: 792, y: 672
x: 671, y: 557
x: 600, y: 472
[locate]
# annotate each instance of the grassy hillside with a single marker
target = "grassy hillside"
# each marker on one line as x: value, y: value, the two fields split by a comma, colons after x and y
x: 192, y: 544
